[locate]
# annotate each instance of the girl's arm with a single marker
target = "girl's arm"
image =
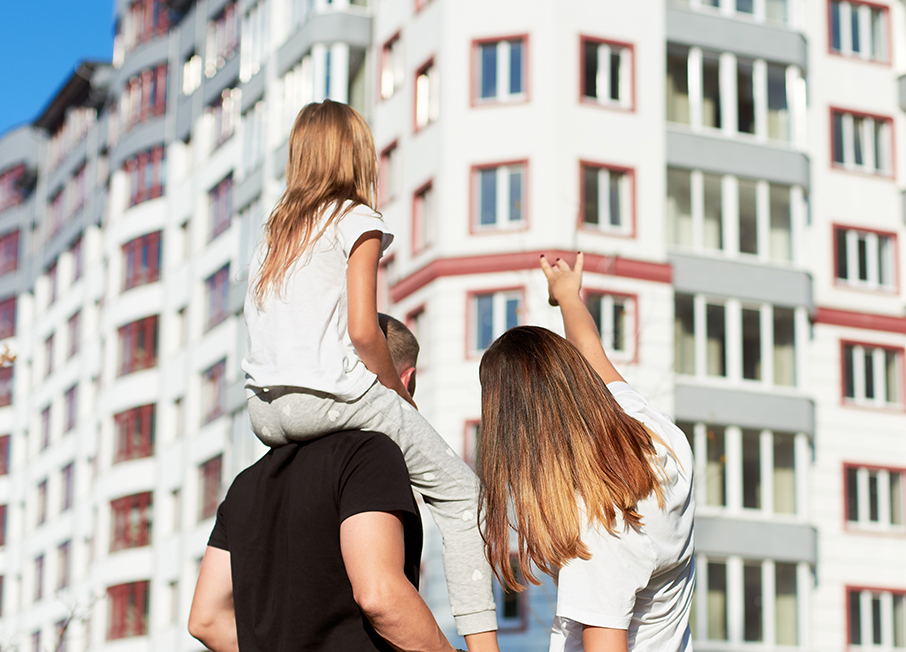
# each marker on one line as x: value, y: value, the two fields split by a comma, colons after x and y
x: 563, y: 286
x: 604, y: 639
x: 364, y: 329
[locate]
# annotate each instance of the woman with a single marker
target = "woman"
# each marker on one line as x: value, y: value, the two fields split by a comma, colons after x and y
x: 595, y: 482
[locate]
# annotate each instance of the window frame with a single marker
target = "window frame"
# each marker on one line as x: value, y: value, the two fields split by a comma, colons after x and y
x: 429, y: 64
x: 424, y: 234
x: 124, y: 450
x: 610, y: 105
x: 863, y: 403
x: 214, y: 378
x: 869, y: 527
x: 396, y: 39
x: 848, y: 589
x: 631, y: 192
x: 850, y: 167
x: 8, y: 307
x: 630, y: 355
x: 475, y: 78
x: 221, y: 193
x: 209, y: 493
x: 217, y: 297
x: 9, y: 243
x: 5, y: 449
x: 125, y: 531
x: 129, y: 361
x: 888, y: 34
x: 118, y: 623
x: 866, y: 286
x: 71, y: 408
x: 472, y: 351
x: 389, y: 161
x: 475, y: 228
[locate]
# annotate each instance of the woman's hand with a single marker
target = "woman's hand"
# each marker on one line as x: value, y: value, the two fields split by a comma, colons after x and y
x: 562, y: 282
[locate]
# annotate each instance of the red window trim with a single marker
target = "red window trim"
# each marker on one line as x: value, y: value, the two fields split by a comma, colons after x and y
x: 136, y: 167
x: 125, y: 533
x: 397, y: 36
x: 471, y: 352
x: 474, y: 229
x: 845, y: 401
x: 892, y: 174
x: 636, y: 321
x: 136, y: 274
x: 120, y: 625
x: 135, y: 359
x: 837, y: 226
x: 853, y: 526
x: 475, y: 67
x: 126, y: 449
x: 633, y: 193
x: 425, y: 187
x: 585, y: 101
x: 849, y: 588
x: 888, y: 62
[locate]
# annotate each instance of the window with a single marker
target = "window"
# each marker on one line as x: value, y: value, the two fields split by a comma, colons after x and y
x: 74, y: 330
x: 253, y: 137
x: 217, y: 293
x: 2, y: 525
x: 138, y: 345
x: 424, y: 218
x: 71, y: 409
x: 615, y: 318
x: 11, y: 190
x: 134, y: 433
x: 607, y: 72
x: 48, y: 355
x: 224, y: 113
x: 871, y: 375
x: 862, y: 143
x: 4, y: 454
x: 45, y: 427
x: 6, y: 386
x: 494, y: 313
x: 761, y: 103
x: 769, y: 10
x: 865, y: 259
x: 63, y: 564
x: 67, y: 474
x: 42, y: 502
x: 9, y: 252
x: 255, y: 40
x: 388, y: 180
x: 39, y: 577
x: 144, y: 96
x: 147, y: 175
x: 761, y: 216
x: 7, y: 317
x: 427, y: 98
x: 392, y: 64
x: 144, y: 20
x: 210, y: 486
x: 511, y: 605
x: 607, y: 198
x: 760, y: 596
x: 191, y: 74
x: 762, y: 338
x: 131, y: 518
x: 36, y: 641
x: 213, y: 387
x: 499, y: 70
x: 222, y: 39
x: 78, y: 262
x: 876, y: 618
x: 128, y: 615
x: 874, y: 497
x: 745, y: 469
x: 220, y: 199
x: 499, y: 193
x: 141, y: 260
x: 53, y: 282
x: 859, y: 30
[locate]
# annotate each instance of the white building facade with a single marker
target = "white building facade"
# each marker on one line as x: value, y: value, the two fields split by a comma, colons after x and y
x: 728, y: 167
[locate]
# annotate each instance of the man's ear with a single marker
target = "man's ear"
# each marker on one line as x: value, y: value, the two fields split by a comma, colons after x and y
x: 408, y: 378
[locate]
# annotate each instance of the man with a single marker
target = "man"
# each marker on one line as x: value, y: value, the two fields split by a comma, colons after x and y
x: 336, y: 535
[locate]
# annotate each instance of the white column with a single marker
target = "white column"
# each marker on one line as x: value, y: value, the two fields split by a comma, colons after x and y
x: 729, y: 107
x: 886, y: 616
x: 503, y: 197
x: 859, y: 372
x: 797, y: 97
x: 339, y: 72
x: 804, y: 583
x: 701, y: 458
x: 802, y: 464
x: 864, y: 29
x: 728, y: 7
x: 733, y: 338
x: 763, y: 219
x: 603, y: 77
x: 884, y: 498
x: 846, y: 41
x: 735, y: 604
x: 867, y: 620
x: 862, y: 497
x: 852, y: 256
x: 759, y: 14
x: 767, y: 343
x: 701, y: 595
x: 760, y: 92
x: 733, y: 452
x: 878, y: 376
x: 849, y: 150
x: 695, y: 87
x: 700, y: 322
x: 503, y: 69
x: 766, y: 450
x: 768, y: 601
x: 730, y: 204
x: 868, y: 143
x: 319, y: 66
x: 798, y: 218
x: 698, y: 208
x: 603, y: 197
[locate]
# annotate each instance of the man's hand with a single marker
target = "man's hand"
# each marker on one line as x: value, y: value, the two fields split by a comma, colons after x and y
x: 562, y: 282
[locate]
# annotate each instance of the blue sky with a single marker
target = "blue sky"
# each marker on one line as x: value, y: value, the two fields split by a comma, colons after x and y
x: 41, y: 41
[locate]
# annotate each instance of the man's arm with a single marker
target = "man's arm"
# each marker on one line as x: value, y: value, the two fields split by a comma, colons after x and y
x: 212, y: 619
x: 374, y: 552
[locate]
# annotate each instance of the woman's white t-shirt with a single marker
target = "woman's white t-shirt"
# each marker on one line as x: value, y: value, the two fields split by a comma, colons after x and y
x: 300, y: 337
x: 640, y: 581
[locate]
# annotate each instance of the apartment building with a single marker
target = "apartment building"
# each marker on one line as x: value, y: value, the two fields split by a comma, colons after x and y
x: 729, y: 168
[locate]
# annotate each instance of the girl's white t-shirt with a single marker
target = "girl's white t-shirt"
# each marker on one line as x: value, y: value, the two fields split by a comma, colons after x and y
x: 300, y: 337
x: 640, y: 581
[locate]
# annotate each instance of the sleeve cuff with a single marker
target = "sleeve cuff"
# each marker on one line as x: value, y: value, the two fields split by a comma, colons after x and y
x: 594, y: 619
x: 481, y: 621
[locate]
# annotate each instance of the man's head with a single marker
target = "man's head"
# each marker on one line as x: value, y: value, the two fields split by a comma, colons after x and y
x: 403, y: 348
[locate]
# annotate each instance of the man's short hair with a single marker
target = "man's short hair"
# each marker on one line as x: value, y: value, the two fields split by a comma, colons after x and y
x: 401, y: 342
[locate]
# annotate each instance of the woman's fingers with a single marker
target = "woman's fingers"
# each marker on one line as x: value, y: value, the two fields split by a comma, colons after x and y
x: 546, y: 267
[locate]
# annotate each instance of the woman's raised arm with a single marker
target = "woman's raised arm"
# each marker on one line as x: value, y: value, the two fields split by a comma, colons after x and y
x: 563, y: 286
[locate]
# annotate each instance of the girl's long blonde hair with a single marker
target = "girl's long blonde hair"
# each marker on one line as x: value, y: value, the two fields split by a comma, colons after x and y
x: 551, y: 432
x: 331, y: 161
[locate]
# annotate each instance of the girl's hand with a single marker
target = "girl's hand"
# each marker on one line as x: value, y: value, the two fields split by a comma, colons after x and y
x: 562, y: 282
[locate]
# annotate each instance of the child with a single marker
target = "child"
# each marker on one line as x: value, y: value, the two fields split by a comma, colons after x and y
x: 318, y: 361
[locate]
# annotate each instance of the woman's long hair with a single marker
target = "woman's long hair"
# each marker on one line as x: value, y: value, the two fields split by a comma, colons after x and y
x: 551, y: 432
x: 331, y: 160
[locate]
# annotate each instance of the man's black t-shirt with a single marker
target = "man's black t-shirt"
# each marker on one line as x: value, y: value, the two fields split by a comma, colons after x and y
x: 280, y: 521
